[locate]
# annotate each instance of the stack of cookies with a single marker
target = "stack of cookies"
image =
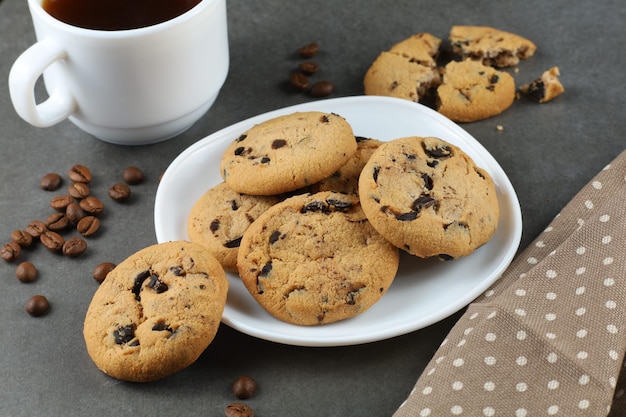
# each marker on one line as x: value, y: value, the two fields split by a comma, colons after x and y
x: 313, y: 218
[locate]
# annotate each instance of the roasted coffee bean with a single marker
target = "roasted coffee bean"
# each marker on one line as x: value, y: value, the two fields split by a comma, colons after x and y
x: 322, y: 89
x: 26, y: 272
x: 10, y: 252
x: 57, y: 222
x: 37, y: 306
x: 101, y: 271
x: 92, y: 205
x: 52, y: 241
x: 238, y: 410
x: 51, y: 182
x: 299, y: 81
x: 61, y: 202
x: 309, y: 51
x: 132, y: 175
x: 74, y: 247
x: 119, y: 192
x: 74, y: 213
x: 308, y: 67
x: 244, y: 387
x: 88, y: 225
x: 78, y: 190
x: 79, y: 173
x: 22, y: 238
x: 36, y: 228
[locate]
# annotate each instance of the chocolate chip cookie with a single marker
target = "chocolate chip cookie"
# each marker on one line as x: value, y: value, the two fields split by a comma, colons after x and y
x: 156, y: 312
x: 428, y: 197
x: 545, y: 88
x: 315, y: 259
x: 219, y: 218
x: 287, y: 153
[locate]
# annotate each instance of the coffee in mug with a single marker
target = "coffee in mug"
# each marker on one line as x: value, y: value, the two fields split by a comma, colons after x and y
x: 116, y: 14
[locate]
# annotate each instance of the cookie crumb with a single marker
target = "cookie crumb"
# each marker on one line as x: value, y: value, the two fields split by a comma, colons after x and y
x: 500, y: 128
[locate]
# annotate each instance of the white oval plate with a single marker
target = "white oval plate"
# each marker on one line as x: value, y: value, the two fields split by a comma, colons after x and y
x: 424, y: 291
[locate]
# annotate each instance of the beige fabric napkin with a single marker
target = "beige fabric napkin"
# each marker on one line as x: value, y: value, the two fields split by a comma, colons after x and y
x: 548, y: 338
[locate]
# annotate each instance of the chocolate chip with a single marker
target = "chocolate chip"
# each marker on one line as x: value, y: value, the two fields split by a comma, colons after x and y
x: 407, y: 217
x: 124, y: 334
x: 101, y: 271
x: 375, y: 172
x: 322, y: 89
x: 428, y: 182
x: 156, y: 284
x: 274, y: 236
x: 340, y: 205
x: 422, y: 202
x: 160, y: 327
x: 51, y: 182
x: 444, y: 257
x: 241, y: 138
x: 239, y: 151
x: 433, y: 163
x: 178, y: 271
x: 235, y: 243
x: 74, y: 247
x: 267, y: 268
x: 244, y: 387
x: 314, y: 206
x: 139, y: 279
x: 133, y: 175
x: 215, y: 225
x: 278, y: 143
x: 37, y: 306
x: 26, y: 272
x: 494, y: 79
x: 309, y: 51
x: 438, y: 152
x: 265, y: 160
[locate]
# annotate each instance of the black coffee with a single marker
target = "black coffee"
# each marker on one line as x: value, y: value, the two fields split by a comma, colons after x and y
x: 116, y: 14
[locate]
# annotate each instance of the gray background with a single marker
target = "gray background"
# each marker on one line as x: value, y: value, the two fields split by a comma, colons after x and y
x: 549, y: 152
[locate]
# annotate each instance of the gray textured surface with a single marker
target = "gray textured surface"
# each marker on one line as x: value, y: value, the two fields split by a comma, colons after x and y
x: 549, y: 152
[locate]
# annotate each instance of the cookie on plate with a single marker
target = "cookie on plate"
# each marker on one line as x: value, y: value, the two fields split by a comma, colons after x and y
x: 407, y: 70
x: 471, y: 91
x: 492, y: 47
x: 428, y: 197
x: 544, y: 88
x: 315, y: 259
x: 287, y: 153
x: 219, y: 218
x: 346, y: 179
x: 156, y: 312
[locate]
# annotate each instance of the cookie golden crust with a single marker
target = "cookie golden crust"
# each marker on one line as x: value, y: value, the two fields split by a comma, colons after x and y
x: 287, y: 153
x: 407, y: 70
x: 492, y: 47
x: 471, y: 91
x: 219, y: 218
x: 428, y: 197
x: 315, y: 259
x: 156, y: 312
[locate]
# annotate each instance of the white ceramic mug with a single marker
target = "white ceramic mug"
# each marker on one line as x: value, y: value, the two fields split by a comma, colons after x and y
x: 129, y: 87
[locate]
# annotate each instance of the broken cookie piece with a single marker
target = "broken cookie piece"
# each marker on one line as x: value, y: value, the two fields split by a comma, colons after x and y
x: 544, y: 88
x: 492, y: 47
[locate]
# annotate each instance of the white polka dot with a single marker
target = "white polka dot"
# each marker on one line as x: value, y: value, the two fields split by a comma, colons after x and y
x: 473, y: 316
x: 521, y: 360
x: 584, y: 379
x: 461, y: 343
x: 581, y: 250
x: 581, y: 333
x: 609, y: 282
x: 445, y: 342
x: 583, y: 404
x: 492, y: 314
x: 489, y: 293
x: 581, y: 311
x: 589, y: 204
x: 520, y: 311
x: 582, y: 355
x: 610, y: 304
x: 522, y: 275
x: 580, y: 222
x: 490, y: 337
x: 606, y: 239
x: 490, y: 360
x: 597, y: 185
x: 521, y: 335
x: 440, y: 359
x: 551, y: 296
x: 605, y: 218
x: 540, y: 244
x: 432, y: 371
x: 548, y: 229
x: 468, y: 331
x: 607, y: 261
x: 425, y: 412
x: 552, y: 357
x: 458, y: 362
x: 532, y: 261
x: 550, y: 316
x: 554, y: 384
x: 427, y: 390
x: 521, y: 386
x: 581, y: 270
x: 580, y: 290
x: 489, y: 386
x: 553, y: 409
x: 550, y: 273
x: 457, y: 385
x: 612, y: 382
x: 521, y: 412
x: 613, y: 355
x: 551, y: 335
x: 520, y: 292
x: 611, y: 328
x: 489, y: 411
x: 456, y: 410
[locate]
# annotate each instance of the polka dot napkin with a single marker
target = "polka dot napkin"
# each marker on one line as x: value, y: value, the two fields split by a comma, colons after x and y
x: 548, y: 338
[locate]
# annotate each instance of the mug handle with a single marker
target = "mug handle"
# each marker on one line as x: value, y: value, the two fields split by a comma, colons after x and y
x: 28, y: 67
